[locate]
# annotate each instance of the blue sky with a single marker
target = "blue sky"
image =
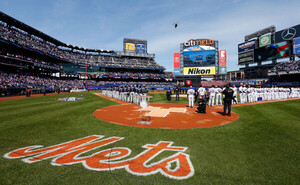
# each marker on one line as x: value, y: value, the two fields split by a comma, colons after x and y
x: 103, y: 24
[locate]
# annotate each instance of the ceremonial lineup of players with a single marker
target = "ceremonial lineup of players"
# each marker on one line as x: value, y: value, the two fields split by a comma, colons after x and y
x: 251, y: 94
x: 214, y: 95
x: 128, y: 93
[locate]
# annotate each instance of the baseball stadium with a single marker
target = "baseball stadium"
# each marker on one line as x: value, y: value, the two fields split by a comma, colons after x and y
x: 208, y: 114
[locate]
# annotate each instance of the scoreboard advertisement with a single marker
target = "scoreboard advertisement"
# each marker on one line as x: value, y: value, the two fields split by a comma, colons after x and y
x: 199, y: 70
x: 130, y: 47
x: 265, y: 40
x: 223, y: 62
x: 287, y: 34
x: 140, y: 48
x: 296, y: 46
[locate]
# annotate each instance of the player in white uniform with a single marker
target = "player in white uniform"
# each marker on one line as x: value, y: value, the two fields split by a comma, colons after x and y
x: 234, y: 94
x: 190, y: 94
x: 212, y: 92
x: 218, y: 95
x: 249, y: 94
x: 201, y: 91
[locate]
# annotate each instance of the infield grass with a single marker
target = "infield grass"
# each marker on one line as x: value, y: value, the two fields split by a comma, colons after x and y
x: 261, y: 147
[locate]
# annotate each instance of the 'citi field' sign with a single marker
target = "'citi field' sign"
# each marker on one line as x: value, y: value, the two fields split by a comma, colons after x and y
x: 196, y: 42
x: 72, y: 152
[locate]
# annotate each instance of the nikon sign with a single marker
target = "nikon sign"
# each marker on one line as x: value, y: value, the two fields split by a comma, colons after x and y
x: 199, y: 71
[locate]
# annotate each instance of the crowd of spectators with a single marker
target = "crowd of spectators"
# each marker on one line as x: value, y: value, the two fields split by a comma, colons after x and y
x: 36, y: 62
x: 286, y: 66
x: 136, y: 75
x: 19, y: 37
x: 214, y: 82
x: 9, y: 80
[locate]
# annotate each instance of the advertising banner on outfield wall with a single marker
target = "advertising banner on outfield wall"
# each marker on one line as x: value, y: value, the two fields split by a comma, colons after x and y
x: 296, y: 46
x: 223, y: 57
x: 265, y: 40
x: 199, y: 70
x: 246, y: 57
x: 287, y: 34
x: 223, y: 70
x: 247, y: 46
x: 176, y: 60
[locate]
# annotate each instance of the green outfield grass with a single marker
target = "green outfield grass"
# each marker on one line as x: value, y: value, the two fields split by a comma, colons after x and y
x: 261, y: 147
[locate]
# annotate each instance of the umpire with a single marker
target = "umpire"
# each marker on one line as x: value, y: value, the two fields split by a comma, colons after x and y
x: 228, y: 92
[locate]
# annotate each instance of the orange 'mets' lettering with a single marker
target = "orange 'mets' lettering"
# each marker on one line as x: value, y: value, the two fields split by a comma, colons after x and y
x: 69, y: 153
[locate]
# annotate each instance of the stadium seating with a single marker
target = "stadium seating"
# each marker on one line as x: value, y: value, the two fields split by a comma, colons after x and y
x: 213, y: 82
x: 286, y: 66
x: 20, y: 38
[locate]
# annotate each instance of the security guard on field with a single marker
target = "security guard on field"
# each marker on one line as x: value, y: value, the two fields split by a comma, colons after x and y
x: 228, y: 92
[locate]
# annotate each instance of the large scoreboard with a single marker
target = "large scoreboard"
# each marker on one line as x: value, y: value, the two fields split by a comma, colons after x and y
x: 269, y: 45
x: 200, y: 57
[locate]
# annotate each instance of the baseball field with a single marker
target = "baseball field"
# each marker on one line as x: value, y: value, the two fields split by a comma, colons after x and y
x: 45, y: 141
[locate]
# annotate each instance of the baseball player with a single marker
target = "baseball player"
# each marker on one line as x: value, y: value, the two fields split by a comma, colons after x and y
x: 190, y: 94
x: 218, y: 95
x: 201, y: 91
x: 234, y: 94
x: 212, y: 92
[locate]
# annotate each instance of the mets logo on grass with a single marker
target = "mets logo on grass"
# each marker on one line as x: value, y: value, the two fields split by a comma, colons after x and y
x: 176, y: 166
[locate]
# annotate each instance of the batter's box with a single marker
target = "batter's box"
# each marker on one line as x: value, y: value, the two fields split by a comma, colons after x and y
x: 179, y: 110
x: 150, y: 108
x: 158, y: 113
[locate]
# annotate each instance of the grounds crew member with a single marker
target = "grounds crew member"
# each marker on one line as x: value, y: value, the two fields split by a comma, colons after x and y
x: 228, y: 92
x: 190, y: 94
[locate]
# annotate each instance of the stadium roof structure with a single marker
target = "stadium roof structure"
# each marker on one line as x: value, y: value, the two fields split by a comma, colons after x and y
x: 18, y: 24
x: 258, y: 33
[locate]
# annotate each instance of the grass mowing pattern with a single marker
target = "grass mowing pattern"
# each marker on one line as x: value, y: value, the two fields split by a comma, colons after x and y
x: 262, y: 147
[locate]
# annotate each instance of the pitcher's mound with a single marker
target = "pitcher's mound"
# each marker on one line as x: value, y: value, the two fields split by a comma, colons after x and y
x: 163, y: 115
